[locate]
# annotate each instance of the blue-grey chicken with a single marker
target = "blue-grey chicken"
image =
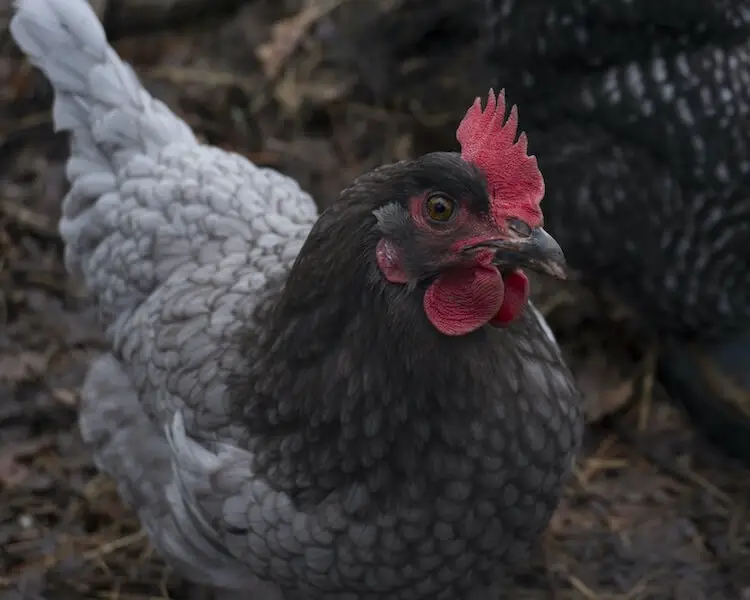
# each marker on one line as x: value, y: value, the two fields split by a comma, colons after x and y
x: 360, y: 404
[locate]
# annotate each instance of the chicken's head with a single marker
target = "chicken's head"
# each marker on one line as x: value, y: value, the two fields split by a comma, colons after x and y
x: 464, y: 227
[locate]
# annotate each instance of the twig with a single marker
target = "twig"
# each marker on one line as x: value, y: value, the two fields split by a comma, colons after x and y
x: 205, y: 77
x: 647, y: 388
x: 35, y: 222
x: 582, y: 588
x: 114, y: 546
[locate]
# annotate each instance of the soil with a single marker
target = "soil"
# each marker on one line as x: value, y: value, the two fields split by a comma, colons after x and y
x: 653, y: 512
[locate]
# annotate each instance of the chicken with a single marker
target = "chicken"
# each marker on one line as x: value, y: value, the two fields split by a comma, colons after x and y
x: 360, y: 404
x: 640, y: 146
x: 638, y: 114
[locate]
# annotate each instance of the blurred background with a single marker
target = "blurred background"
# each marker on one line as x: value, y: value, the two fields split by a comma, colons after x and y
x: 324, y: 90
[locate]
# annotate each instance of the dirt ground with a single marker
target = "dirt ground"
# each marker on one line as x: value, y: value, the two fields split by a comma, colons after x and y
x: 653, y: 511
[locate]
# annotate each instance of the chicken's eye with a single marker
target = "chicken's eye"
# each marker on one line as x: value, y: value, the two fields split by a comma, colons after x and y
x: 440, y: 208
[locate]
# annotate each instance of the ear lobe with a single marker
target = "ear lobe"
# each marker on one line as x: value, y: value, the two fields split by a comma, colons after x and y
x: 389, y: 262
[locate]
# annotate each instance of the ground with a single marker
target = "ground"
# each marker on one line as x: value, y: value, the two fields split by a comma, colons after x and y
x: 653, y: 512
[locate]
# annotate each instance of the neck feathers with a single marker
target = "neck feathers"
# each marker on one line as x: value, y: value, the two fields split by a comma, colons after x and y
x: 352, y: 385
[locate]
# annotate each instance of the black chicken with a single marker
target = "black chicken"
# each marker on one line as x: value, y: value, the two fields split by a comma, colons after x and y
x: 639, y: 111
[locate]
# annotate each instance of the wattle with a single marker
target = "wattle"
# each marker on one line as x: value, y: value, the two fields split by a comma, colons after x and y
x: 516, y: 295
x: 464, y: 299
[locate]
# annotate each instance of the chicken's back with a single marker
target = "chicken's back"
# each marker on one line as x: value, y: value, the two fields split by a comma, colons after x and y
x: 173, y: 239
x: 147, y: 202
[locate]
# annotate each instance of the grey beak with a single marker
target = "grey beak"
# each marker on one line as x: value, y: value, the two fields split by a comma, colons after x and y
x: 538, y: 252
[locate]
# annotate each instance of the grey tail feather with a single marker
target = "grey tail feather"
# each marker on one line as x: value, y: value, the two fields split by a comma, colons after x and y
x: 99, y: 99
x: 97, y: 96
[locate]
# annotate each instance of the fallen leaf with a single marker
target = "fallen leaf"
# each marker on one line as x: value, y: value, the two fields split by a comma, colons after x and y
x: 286, y: 36
x: 12, y: 472
x: 22, y: 366
x: 65, y: 397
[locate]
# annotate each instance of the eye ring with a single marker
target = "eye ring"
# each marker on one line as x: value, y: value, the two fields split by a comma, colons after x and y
x: 520, y: 227
x: 440, y: 208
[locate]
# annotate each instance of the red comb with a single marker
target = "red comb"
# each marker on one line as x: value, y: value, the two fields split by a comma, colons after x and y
x: 489, y: 141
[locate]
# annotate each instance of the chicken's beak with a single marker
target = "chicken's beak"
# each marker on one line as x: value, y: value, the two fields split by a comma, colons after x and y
x: 537, y: 252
